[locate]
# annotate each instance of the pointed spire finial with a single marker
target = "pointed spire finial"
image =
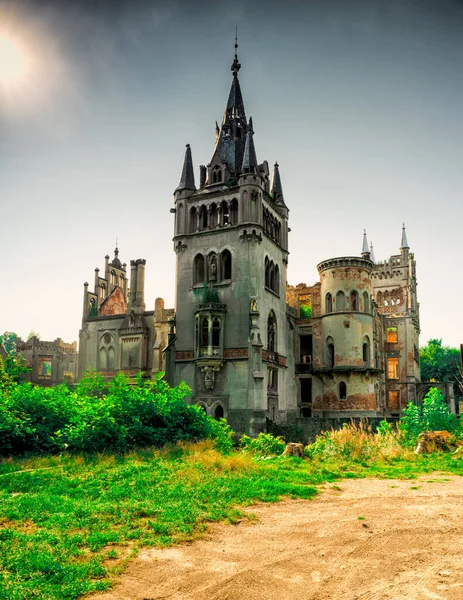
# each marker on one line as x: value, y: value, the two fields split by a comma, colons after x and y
x: 187, y: 178
x: 276, y: 189
x: 365, y: 248
x: 236, y: 64
x: 249, y: 156
x: 372, y: 254
x: 404, y: 242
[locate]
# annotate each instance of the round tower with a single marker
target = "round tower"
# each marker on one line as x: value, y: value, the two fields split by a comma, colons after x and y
x: 347, y: 338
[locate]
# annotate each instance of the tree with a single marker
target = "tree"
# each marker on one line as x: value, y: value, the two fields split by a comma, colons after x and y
x: 33, y: 334
x: 439, y: 362
x: 8, y: 341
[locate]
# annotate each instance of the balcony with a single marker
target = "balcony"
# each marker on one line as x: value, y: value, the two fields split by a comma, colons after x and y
x: 305, y: 366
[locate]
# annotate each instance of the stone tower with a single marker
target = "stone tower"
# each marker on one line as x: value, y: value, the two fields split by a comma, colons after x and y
x: 394, y: 287
x: 232, y: 344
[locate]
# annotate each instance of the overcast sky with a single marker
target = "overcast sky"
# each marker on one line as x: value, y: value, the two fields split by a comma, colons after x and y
x: 359, y: 101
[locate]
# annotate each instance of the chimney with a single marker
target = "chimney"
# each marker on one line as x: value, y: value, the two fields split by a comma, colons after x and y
x: 202, y: 176
x: 140, y: 301
x: 133, y: 285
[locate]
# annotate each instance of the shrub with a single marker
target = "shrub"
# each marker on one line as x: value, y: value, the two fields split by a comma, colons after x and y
x: 97, y: 416
x: 222, y: 434
x: 433, y: 415
x: 265, y: 444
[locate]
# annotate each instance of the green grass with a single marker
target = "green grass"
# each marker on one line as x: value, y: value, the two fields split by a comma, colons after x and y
x: 69, y: 523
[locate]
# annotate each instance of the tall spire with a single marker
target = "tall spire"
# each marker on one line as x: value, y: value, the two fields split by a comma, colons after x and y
x: 187, y: 178
x: 404, y: 242
x: 365, y: 248
x: 232, y: 136
x: 276, y: 189
x: 249, y: 156
x: 372, y: 254
x: 236, y: 65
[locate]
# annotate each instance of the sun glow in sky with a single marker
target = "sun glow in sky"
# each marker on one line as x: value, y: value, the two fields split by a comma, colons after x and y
x: 13, y: 62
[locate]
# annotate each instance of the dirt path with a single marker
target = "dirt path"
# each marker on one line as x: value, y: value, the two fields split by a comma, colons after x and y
x: 363, y: 539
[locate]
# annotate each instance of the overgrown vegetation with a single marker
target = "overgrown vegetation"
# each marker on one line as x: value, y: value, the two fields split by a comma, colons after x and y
x: 442, y: 363
x: 69, y: 522
x: 97, y: 417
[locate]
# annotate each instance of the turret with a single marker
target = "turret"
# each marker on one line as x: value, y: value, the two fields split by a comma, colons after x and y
x: 187, y: 177
x: 276, y: 190
x: 365, y: 248
x: 404, y: 247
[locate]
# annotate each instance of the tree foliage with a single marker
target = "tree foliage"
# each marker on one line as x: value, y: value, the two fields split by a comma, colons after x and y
x: 432, y: 415
x: 439, y: 363
x: 8, y: 341
x: 97, y: 416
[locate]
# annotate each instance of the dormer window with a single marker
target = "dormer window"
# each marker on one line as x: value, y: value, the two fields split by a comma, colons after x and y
x: 216, y: 174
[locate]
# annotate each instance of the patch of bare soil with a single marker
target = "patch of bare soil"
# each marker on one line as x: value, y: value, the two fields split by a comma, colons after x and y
x: 364, y: 539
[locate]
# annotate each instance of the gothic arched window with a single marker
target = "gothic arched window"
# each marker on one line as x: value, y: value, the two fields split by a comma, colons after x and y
x: 366, y: 302
x: 203, y: 218
x: 216, y: 174
x: 340, y: 301
x: 328, y: 303
x: 271, y: 332
x: 267, y: 272
x: 213, y: 216
x: 215, y: 333
x: 204, y: 332
x: 111, y: 358
x: 103, y: 358
x: 354, y: 300
x: 366, y: 350
x: 193, y: 220
x: 379, y: 299
x: 226, y: 264
x: 277, y: 280
x: 225, y: 213
x: 330, y: 352
x: 199, y: 269
x: 218, y: 412
x: 234, y: 212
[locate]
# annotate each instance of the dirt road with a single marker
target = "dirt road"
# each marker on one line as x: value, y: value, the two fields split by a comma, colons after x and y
x: 358, y: 540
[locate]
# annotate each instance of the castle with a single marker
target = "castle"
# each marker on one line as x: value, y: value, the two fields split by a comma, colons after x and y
x: 251, y: 347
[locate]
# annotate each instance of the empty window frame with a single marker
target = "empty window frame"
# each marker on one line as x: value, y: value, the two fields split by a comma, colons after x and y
x: 392, y: 337
x: 393, y: 368
x: 340, y: 301
x: 342, y: 390
x: 199, y: 270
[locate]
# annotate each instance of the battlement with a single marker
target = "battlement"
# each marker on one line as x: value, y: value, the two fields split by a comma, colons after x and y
x: 345, y: 261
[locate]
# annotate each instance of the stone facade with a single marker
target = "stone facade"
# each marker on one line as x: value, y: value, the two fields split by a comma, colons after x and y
x: 357, y: 350
x: 254, y: 349
x: 50, y: 362
x: 118, y: 334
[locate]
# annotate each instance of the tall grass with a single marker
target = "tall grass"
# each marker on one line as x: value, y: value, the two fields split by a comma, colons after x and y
x: 358, y: 442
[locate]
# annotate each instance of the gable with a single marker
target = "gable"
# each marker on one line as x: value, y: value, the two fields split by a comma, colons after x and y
x: 114, y: 304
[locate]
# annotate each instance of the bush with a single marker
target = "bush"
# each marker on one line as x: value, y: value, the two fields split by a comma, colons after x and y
x: 97, y: 416
x: 433, y: 415
x: 222, y: 435
x: 265, y: 444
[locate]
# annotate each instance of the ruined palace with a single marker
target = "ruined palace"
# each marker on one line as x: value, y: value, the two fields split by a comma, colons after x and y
x: 252, y: 347
x: 118, y: 334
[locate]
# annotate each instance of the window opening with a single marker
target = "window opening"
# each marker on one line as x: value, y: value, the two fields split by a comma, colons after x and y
x: 393, y: 368
x: 392, y: 336
x: 342, y: 391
